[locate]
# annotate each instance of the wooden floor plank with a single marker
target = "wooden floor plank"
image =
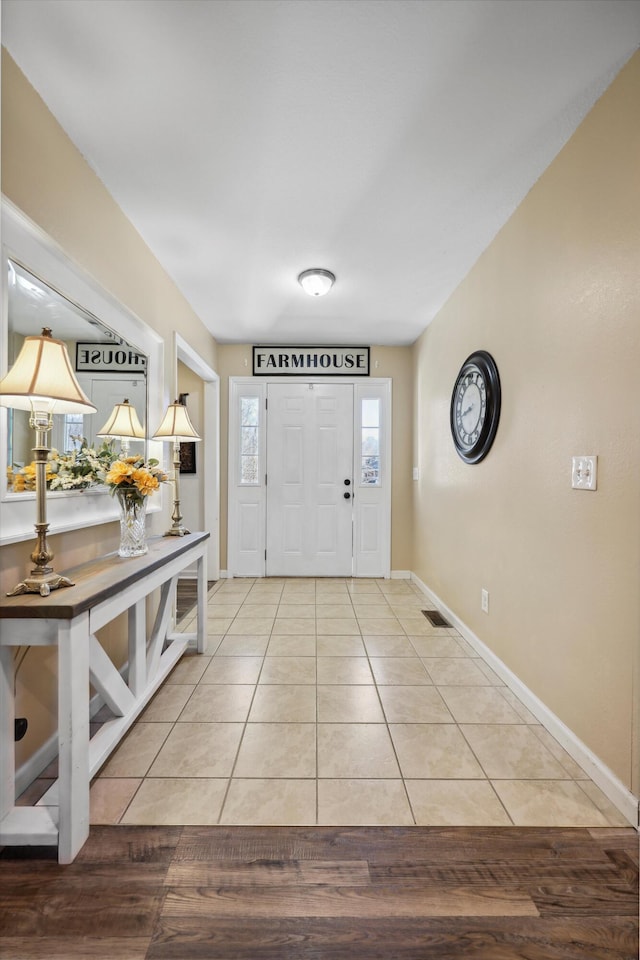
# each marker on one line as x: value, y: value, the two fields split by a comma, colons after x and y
x: 500, y: 872
x: 392, y: 845
x: 97, y: 874
x: 81, y: 912
x: 586, y: 899
x: 401, y: 939
x: 265, y: 872
x: 130, y: 845
x: 626, y: 867
x: 187, y: 596
x: 409, y: 900
x: 78, y: 948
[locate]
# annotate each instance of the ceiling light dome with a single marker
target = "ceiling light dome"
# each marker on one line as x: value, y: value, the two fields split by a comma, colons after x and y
x: 316, y: 282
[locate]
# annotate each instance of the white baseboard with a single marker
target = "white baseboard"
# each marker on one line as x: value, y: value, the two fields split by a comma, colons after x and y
x: 191, y: 573
x: 401, y: 574
x: 613, y: 788
x: 33, y: 768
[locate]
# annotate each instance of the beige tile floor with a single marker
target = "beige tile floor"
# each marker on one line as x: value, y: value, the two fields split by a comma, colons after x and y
x: 335, y: 702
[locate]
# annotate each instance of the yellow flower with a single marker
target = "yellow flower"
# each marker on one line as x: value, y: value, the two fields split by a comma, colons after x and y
x: 120, y: 472
x: 134, y: 477
x: 145, y: 482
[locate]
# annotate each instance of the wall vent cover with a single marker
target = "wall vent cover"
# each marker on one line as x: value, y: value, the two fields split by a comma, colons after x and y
x: 435, y: 618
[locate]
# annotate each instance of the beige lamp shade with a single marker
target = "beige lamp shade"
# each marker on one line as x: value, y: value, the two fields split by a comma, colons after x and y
x: 176, y: 425
x: 123, y: 422
x: 42, y: 376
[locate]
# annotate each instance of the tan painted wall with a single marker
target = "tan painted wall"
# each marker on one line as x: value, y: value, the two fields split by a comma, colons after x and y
x: 235, y: 360
x: 48, y: 179
x: 556, y: 300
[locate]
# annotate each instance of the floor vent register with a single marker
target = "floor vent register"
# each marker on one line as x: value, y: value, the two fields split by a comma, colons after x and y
x: 435, y: 618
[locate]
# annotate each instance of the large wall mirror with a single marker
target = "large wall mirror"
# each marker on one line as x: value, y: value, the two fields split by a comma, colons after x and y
x: 115, y: 355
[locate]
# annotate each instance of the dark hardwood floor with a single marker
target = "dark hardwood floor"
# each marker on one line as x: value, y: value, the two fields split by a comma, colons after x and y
x: 362, y: 893
x: 186, y: 596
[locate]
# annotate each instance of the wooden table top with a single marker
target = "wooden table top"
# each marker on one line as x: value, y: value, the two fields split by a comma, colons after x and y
x: 97, y: 580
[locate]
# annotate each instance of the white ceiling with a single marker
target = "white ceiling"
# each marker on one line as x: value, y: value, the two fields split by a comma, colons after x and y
x: 385, y: 140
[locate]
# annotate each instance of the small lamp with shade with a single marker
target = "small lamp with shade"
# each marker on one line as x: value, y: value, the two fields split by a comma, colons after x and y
x: 176, y: 427
x: 42, y: 382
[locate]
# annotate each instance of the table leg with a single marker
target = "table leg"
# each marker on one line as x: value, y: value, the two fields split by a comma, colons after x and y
x: 7, y: 748
x: 201, y: 606
x: 137, y: 647
x: 73, y: 737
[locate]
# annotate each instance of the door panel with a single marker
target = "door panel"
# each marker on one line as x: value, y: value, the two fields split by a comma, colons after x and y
x: 249, y: 534
x: 309, y: 456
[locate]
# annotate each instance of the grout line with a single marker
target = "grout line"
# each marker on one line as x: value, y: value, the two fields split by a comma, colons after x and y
x: 246, y: 722
x: 499, y: 798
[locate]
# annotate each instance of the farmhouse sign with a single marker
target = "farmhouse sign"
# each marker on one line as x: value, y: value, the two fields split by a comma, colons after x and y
x: 109, y: 358
x: 277, y: 361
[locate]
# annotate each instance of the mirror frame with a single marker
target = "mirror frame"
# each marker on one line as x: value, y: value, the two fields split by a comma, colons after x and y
x: 24, y: 242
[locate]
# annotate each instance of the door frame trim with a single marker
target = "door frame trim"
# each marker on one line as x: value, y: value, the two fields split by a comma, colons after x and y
x: 185, y: 353
x: 251, y: 563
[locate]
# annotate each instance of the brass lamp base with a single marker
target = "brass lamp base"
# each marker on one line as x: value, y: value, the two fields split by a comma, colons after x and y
x: 42, y: 579
x: 177, y: 530
x: 42, y: 584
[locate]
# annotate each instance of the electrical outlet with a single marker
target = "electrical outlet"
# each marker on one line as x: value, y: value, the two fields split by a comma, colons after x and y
x: 20, y: 728
x: 484, y: 601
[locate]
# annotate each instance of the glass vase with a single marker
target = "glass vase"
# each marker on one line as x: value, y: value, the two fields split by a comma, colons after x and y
x: 133, y: 509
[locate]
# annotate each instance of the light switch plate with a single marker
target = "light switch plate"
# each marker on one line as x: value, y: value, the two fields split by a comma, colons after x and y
x: 584, y: 473
x: 416, y: 475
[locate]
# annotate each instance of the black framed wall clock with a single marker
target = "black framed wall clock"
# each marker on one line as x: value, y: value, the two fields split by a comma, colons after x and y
x: 475, y: 407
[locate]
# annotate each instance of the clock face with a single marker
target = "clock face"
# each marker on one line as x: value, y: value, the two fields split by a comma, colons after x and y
x: 471, y: 406
x: 475, y: 407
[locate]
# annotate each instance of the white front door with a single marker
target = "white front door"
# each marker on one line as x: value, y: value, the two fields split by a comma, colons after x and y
x: 309, y: 480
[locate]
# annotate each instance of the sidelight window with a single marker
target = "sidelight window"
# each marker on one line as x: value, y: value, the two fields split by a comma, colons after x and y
x: 73, y: 427
x: 370, y: 441
x: 249, y: 440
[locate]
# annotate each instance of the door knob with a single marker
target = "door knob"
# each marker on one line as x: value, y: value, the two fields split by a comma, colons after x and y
x: 347, y: 495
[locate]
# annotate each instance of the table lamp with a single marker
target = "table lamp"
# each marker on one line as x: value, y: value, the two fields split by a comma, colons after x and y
x: 124, y: 425
x: 42, y: 381
x: 176, y: 427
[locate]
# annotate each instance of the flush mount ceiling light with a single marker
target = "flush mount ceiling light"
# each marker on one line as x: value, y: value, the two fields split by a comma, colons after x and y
x: 316, y: 282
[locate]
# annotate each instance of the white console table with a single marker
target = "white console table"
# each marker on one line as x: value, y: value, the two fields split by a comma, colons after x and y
x: 69, y: 619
